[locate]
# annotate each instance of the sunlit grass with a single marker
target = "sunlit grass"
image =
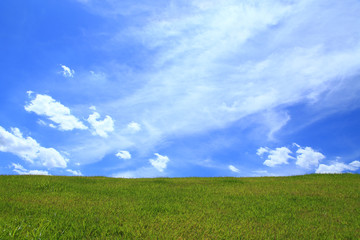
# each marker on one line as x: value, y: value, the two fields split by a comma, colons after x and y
x: 305, y: 207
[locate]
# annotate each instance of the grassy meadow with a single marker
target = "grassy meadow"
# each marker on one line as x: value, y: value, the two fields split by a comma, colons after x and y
x: 299, y: 207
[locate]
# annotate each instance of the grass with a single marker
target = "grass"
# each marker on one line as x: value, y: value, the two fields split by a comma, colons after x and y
x: 299, y: 207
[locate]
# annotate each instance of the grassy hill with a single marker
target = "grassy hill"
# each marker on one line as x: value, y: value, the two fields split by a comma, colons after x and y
x: 299, y: 207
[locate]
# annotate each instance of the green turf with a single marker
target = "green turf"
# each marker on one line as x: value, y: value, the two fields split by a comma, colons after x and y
x: 300, y: 207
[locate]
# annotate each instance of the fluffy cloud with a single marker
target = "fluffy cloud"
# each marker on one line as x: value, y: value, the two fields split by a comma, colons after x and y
x: 123, y: 155
x: 308, y: 158
x: 22, y: 171
x: 160, y: 163
x: 305, y: 157
x: 101, y: 127
x: 67, y: 72
x: 233, y: 169
x: 46, y: 106
x: 277, y: 157
x: 74, y: 172
x: 338, y: 167
x: 29, y: 150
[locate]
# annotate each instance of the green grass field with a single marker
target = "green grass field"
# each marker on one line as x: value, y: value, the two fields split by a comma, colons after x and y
x: 299, y: 207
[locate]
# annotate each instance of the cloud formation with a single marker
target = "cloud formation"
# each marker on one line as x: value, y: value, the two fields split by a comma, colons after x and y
x: 234, y: 169
x: 123, y: 155
x: 101, y: 127
x: 276, y: 157
x: 160, y: 163
x: 29, y: 150
x: 45, y: 105
x: 193, y: 49
x: 308, y: 158
x: 75, y: 172
x: 262, y: 150
x: 338, y: 167
x: 134, y: 127
x: 67, y: 72
x: 22, y: 171
x: 206, y: 66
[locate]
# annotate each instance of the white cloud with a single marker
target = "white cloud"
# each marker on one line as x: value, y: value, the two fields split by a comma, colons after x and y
x: 193, y: 50
x: 274, y: 121
x: 45, y: 105
x: 92, y: 108
x: 29, y: 93
x: 123, y: 155
x: 160, y: 163
x: 305, y: 157
x: 308, y: 158
x: 22, y: 171
x: 233, y: 169
x: 355, y: 164
x: 296, y: 145
x: 67, y: 72
x: 338, y: 167
x: 74, y: 172
x: 134, y: 127
x: 278, y: 156
x: 29, y: 150
x: 194, y: 44
x: 41, y: 122
x: 101, y: 127
x: 262, y: 150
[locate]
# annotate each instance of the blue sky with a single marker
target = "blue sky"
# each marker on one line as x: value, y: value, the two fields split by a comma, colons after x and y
x: 179, y: 88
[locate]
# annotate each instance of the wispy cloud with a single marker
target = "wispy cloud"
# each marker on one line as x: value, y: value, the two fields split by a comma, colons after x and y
x: 234, y: 169
x: 208, y: 69
x: 45, y: 105
x: 134, y: 127
x: 67, y: 72
x: 205, y: 66
x: 74, y: 172
x: 30, y: 150
x: 22, y: 171
x: 262, y: 150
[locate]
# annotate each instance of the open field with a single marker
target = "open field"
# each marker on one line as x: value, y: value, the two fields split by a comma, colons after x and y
x: 300, y: 207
